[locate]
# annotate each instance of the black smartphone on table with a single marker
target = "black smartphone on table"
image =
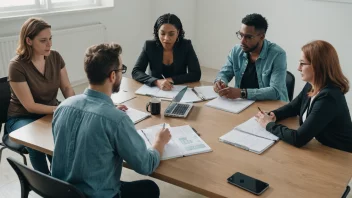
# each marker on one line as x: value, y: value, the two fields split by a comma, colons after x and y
x: 248, y: 183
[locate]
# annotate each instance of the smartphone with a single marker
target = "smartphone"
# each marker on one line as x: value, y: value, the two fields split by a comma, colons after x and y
x: 248, y: 183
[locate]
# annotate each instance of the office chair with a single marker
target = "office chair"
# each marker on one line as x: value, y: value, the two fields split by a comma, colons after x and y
x: 290, y: 84
x: 4, y: 105
x: 43, y: 184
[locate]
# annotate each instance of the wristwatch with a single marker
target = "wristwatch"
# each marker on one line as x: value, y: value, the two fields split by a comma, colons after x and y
x: 243, y: 93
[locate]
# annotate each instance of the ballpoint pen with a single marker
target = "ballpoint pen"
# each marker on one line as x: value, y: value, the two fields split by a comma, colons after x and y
x: 263, y: 111
x: 166, y: 80
x: 164, y: 126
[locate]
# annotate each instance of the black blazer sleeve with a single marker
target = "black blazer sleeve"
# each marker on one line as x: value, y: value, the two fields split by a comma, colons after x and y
x: 194, y: 72
x: 138, y: 72
x: 293, y: 108
x: 323, y: 111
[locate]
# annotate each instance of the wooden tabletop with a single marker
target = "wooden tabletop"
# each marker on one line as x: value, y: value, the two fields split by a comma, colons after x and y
x: 311, y: 171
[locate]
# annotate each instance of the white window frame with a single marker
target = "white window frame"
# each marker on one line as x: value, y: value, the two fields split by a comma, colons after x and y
x: 43, y: 7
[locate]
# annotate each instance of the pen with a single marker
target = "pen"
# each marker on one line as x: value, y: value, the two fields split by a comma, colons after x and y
x: 164, y: 126
x: 196, y: 131
x: 263, y: 111
x: 165, y: 79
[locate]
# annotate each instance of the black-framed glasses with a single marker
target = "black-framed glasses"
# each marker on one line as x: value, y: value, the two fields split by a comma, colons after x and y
x: 240, y: 36
x: 123, y: 70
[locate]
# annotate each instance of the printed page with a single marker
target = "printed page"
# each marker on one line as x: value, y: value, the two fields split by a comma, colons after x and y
x: 207, y: 92
x: 169, y: 94
x: 188, y: 140
x: 171, y: 149
x: 246, y: 141
x: 136, y: 115
x: 146, y: 90
x: 190, y: 96
x: 233, y: 106
x: 251, y: 126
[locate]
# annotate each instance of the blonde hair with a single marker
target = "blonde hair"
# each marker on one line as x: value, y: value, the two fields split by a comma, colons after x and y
x: 325, y: 62
x: 30, y: 29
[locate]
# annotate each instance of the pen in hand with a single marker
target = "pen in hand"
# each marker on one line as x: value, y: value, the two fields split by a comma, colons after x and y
x: 263, y: 111
x: 167, y: 80
x: 164, y: 126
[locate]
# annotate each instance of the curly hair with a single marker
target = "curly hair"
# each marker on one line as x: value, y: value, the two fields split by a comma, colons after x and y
x: 168, y: 19
x: 99, y: 60
x: 256, y: 20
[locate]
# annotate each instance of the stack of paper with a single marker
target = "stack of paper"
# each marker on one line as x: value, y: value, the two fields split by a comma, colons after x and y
x: 250, y: 136
x: 184, y: 141
x: 233, y: 106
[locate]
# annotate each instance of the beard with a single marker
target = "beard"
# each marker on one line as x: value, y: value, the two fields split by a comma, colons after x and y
x: 116, y: 86
x: 251, y: 49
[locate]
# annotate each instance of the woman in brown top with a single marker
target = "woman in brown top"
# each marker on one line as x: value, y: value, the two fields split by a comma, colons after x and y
x: 35, y: 75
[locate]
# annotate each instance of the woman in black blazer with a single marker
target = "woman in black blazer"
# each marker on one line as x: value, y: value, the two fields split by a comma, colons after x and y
x: 168, y: 55
x: 321, y: 105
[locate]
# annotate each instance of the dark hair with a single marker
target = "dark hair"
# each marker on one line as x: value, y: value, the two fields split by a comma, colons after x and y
x: 256, y: 20
x: 168, y: 19
x: 30, y: 28
x: 99, y: 60
x: 326, y: 65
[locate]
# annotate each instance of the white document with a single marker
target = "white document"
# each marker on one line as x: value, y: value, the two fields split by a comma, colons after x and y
x: 136, y: 115
x: 233, y: 106
x: 252, y: 127
x: 190, y: 97
x: 156, y: 92
x: 121, y: 97
x: 184, y: 141
x: 246, y: 141
x: 207, y: 92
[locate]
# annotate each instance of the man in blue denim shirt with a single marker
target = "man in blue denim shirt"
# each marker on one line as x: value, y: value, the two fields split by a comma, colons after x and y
x: 259, y: 66
x: 92, y: 137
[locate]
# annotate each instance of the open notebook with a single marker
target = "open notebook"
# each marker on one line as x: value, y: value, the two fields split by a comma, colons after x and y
x: 156, y: 92
x: 184, y: 141
x: 198, y: 94
x: 122, y: 96
x: 136, y: 115
x: 233, y: 106
x: 250, y: 136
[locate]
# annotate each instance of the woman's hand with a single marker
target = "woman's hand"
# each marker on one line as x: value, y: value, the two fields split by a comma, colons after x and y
x: 263, y: 118
x: 164, y: 84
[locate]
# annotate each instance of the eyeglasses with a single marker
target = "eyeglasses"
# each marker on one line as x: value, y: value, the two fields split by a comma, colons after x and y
x: 124, y: 69
x: 246, y: 36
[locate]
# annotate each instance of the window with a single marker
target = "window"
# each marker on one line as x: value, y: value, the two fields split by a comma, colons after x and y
x: 12, y: 8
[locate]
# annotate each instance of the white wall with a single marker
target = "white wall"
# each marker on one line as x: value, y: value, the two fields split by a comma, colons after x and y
x: 128, y: 24
x: 292, y: 23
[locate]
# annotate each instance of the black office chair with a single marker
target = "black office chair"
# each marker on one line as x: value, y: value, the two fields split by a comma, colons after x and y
x: 290, y: 84
x: 348, y: 188
x: 43, y: 184
x: 4, y: 105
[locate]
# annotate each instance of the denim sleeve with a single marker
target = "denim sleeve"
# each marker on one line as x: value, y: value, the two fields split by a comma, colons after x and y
x: 277, y: 87
x: 131, y: 147
x: 226, y: 73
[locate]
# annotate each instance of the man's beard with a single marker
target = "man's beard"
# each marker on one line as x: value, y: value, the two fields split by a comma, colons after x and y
x: 253, y: 48
x: 116, y: 86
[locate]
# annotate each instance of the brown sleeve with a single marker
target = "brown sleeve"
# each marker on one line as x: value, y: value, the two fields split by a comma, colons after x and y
x: 59, y: 60
x: 16, y: 72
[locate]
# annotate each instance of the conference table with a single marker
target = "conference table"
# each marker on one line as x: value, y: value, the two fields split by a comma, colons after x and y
x: 311, y: 171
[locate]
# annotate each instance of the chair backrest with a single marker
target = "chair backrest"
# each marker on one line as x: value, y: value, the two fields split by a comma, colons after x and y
x: 290, y: 84
x: 42, y: 184
x: 4, y: 99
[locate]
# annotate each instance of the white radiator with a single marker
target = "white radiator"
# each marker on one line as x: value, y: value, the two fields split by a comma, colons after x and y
x: 71, y: 43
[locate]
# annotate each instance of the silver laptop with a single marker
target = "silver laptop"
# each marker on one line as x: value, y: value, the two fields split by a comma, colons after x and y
x: 177, y: 108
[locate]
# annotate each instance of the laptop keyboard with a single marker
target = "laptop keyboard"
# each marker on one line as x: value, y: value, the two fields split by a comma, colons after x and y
x: 177, y: 109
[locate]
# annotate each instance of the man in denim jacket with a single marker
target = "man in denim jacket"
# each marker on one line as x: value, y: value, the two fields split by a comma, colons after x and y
x: 259, y: 66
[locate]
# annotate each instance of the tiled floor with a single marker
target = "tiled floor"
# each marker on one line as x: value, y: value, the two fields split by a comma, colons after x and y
x: 10, y: 187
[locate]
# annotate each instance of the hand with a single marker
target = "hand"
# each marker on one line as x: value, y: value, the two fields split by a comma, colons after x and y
x: 230, y: 92
x: 122, y: 107
x: 218, y: 85
x: 163, y: 136
x: 163, y: 84
x: 263, y: 118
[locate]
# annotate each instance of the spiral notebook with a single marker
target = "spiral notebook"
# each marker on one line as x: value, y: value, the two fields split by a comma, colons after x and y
x: 250, y: 136
x: 229, y: 105
x: 136, y: 115
x: 184, y: 141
